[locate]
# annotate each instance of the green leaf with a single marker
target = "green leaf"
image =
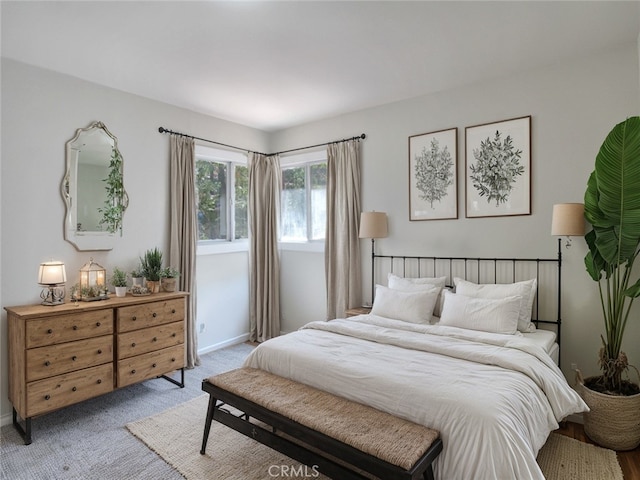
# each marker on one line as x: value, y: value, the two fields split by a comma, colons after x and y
x: 612, y: 199
x: 634, y: 290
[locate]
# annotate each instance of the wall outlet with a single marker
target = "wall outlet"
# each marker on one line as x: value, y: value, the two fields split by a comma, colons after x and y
x: 201, y: 327
x: 574, y: 366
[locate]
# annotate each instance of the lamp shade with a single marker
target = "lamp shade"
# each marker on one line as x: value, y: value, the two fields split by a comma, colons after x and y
x: 568, y: 219
x: 373, y: 225
x: 52, y: 273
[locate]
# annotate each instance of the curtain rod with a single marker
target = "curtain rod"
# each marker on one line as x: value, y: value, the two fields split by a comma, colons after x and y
x: 164, y: 130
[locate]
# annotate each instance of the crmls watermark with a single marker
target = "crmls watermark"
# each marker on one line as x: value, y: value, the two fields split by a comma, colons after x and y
x: 290, y: 471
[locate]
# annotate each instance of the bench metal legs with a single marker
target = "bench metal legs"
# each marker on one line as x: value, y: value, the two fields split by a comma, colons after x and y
x: 207, y: 423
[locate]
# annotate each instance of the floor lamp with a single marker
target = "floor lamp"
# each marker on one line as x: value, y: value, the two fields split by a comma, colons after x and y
x: 567, y: 220
x: 373, y: 225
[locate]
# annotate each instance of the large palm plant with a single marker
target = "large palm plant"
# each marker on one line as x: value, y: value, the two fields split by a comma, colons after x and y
x: 612, y: 207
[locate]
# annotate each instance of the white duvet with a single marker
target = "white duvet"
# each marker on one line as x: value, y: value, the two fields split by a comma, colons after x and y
x: 494, y: 398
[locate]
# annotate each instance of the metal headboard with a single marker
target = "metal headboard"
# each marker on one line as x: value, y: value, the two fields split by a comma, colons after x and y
x: 548, y: 272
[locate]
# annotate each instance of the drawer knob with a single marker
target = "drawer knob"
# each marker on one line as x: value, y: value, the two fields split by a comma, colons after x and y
x: 155, y: 339
x: 154, y: 314
x: 133, y: 371
x: 173, y: 310
x: 133, y: 344
x: 74, y: 389
x: 47, y: 363
x: 173, y: 359
x: 99, y: 352
x: 98, y: 324
x: 154, y: 365
x: 99, y: 381
x: 75, y: 327
x: 174, y: 334
x: 47, y: 397
x: 50, y: 331
x: 74, y: 358
x: 134, y: 318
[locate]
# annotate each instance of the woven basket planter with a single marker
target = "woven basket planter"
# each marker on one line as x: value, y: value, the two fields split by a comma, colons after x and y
x: 614, y: 421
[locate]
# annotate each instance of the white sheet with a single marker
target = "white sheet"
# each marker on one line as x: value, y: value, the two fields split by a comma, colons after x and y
x: 494, y: 398
x: 546, y: 339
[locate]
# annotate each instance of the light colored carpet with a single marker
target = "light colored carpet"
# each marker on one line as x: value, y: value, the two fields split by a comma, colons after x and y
x: 176, y: 435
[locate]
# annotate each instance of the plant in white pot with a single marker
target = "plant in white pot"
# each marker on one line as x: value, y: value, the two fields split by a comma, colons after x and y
x: 119, y: 281
x: 612, y: 207
x: 137, y: 277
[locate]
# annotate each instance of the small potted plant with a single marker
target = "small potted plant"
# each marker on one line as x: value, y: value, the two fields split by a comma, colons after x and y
x: 137, y: 277
x: 169, y: 278
x: 119, y: 281
x: 151, y: 264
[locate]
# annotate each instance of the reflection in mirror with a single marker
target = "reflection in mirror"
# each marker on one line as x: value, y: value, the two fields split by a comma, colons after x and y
x: 93, y: 189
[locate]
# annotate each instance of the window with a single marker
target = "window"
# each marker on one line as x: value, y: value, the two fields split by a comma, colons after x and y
x: 303, y: 206
x: 222, y: 184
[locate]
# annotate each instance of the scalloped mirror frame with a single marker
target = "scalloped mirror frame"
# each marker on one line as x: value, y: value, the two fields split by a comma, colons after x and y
x: 86, y: 240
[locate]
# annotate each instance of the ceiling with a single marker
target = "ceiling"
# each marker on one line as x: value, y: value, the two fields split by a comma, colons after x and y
x: 273, y: 65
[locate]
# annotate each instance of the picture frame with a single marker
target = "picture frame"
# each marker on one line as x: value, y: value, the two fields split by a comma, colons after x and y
x: 433, y: 182
x: 498, y: 168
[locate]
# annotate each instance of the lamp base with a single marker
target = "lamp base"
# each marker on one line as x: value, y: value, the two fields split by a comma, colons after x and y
x: 52, y: 296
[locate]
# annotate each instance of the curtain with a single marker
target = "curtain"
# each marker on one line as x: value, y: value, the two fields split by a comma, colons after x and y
x: 342, y: 246
x: 184, y: 232
x: 264, y: 262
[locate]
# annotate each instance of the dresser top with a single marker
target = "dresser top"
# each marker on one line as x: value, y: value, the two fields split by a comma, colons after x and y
x: 38, y: 310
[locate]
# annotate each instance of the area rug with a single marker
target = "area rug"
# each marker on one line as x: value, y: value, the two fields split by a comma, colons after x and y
x: 176, y: 435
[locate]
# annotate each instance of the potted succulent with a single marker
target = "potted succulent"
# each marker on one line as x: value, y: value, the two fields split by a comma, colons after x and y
x: 168, y: 279
x: 612, y: 207
x: 119, y: 281
x: 151, y: 264
x: 137, y: 277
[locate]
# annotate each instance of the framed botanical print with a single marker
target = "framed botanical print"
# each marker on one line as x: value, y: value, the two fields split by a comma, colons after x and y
x: 433, y: 160
x: 498, y: 168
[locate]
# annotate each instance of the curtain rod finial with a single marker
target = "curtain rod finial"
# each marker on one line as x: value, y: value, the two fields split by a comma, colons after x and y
x: 363, y: 136
x: 161, y: 130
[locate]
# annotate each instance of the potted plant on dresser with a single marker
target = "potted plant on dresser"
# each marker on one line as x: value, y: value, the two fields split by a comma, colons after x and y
x: 119, y: 281
x: 169, y: 278
x: 612, y: 207
x: 151, y: 264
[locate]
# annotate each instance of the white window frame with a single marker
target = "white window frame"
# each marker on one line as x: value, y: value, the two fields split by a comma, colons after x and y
x: 304, y: 160
x: 230, y: 244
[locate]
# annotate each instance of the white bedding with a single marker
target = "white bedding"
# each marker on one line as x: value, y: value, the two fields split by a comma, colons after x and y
x: 494, y: 398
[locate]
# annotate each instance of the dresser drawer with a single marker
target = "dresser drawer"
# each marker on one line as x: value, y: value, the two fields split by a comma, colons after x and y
x: 150, y: 314
x: 138, y: 342
x: 66, y: 328
x: 53, y: 360
x: 150, y: 365
x: 62, y: 390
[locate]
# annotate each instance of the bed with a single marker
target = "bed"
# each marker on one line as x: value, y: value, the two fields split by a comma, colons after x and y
x: 472, y: 364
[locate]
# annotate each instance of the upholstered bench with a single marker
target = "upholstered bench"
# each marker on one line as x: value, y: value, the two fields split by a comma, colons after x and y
x: 340, y: 437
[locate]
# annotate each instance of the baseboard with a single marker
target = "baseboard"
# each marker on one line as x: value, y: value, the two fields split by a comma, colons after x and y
x: 6, y: 419
x: 226, y: 343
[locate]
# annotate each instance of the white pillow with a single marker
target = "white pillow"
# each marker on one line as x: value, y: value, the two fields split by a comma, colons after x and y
x: 414, y: 284
x: 525, y: 289
x: 484, y: 314
x: 414, y: 307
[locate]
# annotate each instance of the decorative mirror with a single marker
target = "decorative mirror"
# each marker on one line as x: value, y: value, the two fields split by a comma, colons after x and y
x: 93, y: 189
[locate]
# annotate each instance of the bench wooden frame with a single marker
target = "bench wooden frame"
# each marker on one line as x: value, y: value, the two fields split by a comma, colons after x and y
x: 308, y: 442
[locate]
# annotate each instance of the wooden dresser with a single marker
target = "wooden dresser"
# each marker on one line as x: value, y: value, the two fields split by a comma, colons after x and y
x: 65, y: 354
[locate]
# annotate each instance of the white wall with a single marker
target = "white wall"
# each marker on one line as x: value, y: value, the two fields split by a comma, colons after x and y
x: 573, y: 107
x: 41, y: 110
